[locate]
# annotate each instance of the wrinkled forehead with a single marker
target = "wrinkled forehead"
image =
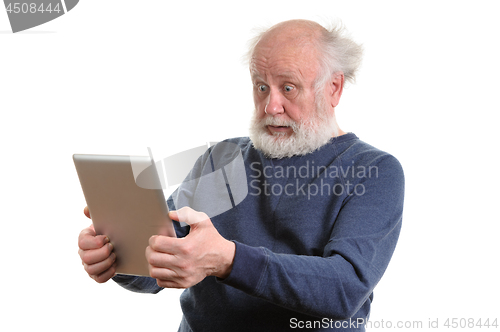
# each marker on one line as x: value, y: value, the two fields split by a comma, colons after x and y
x: 285, y: 57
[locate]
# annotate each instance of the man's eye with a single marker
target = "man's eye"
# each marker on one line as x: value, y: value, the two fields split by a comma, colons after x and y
x: 288, y: 88
x: 262, y: 88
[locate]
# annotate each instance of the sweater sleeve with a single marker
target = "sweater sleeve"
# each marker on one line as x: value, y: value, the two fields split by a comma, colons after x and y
x: 137, y: 284
x: 339, y: 282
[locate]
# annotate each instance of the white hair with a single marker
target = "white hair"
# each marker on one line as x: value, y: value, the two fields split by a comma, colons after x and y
x: 337, y: 52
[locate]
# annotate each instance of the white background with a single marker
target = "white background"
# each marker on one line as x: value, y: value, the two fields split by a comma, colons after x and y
x: 118, y: 76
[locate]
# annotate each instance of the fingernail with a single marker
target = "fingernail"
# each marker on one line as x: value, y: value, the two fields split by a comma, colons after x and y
x: 106, y: 240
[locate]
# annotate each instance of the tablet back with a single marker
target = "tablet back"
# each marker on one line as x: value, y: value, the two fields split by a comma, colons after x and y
x: 128, y: 214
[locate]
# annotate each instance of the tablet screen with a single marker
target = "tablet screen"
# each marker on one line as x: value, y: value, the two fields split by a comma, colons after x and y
x: 128, y: 214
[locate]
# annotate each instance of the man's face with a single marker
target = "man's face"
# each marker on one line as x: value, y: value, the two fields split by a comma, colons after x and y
x: 283, y: 84
x: 290, y: 118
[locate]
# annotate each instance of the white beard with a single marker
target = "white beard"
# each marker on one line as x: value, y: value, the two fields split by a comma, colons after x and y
x: 307, y: 136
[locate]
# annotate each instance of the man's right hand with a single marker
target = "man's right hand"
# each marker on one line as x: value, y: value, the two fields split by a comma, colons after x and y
x: 96, y: 253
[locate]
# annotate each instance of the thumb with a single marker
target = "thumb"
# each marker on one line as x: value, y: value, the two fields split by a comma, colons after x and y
x: 188, y: 215
x: 87, y: 212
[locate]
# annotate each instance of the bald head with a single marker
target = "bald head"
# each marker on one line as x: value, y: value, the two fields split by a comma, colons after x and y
x: 293, y: 31
x: 291, y: 37
x: 334, y: 51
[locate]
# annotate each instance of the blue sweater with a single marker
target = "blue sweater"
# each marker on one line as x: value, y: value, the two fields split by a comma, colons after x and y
x: 313, y: 237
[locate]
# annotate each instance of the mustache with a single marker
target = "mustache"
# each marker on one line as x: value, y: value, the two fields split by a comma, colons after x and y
x: 272, y: 121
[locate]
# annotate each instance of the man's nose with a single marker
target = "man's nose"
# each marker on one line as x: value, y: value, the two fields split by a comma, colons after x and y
x: 274, y: 103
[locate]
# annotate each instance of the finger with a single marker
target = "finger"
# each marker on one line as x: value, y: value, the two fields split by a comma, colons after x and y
x: 106, y: 275
x: 159, y: 259
x: 169, y: 284
x: 173, y: 215
x: 163, y: 274
x: 164, y: 244
x: 189, y: 216
x: 94, y: 256
x: 89, y: 240
x: 169, y: 279
x: 88, y: 231
x: 100, y: 267
x: 87, y: 212
x: 169, y: 245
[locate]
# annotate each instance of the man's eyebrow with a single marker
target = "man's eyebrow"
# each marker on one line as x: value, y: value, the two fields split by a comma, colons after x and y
x: 255, y: 76
x: 288, y: 75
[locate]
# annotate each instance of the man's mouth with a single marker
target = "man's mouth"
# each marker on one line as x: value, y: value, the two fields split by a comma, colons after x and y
x: 279, y: 129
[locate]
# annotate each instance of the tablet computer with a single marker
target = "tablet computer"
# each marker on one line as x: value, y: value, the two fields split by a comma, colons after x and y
x: 127, y: 213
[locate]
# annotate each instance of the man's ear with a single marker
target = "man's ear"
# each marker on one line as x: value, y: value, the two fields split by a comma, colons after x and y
x: 336, y: 86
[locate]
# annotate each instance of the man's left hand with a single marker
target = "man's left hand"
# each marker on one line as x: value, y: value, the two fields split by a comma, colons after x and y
x: 184, y: 262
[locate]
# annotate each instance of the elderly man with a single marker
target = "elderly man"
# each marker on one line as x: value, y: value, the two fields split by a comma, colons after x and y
x: 313, y: 237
